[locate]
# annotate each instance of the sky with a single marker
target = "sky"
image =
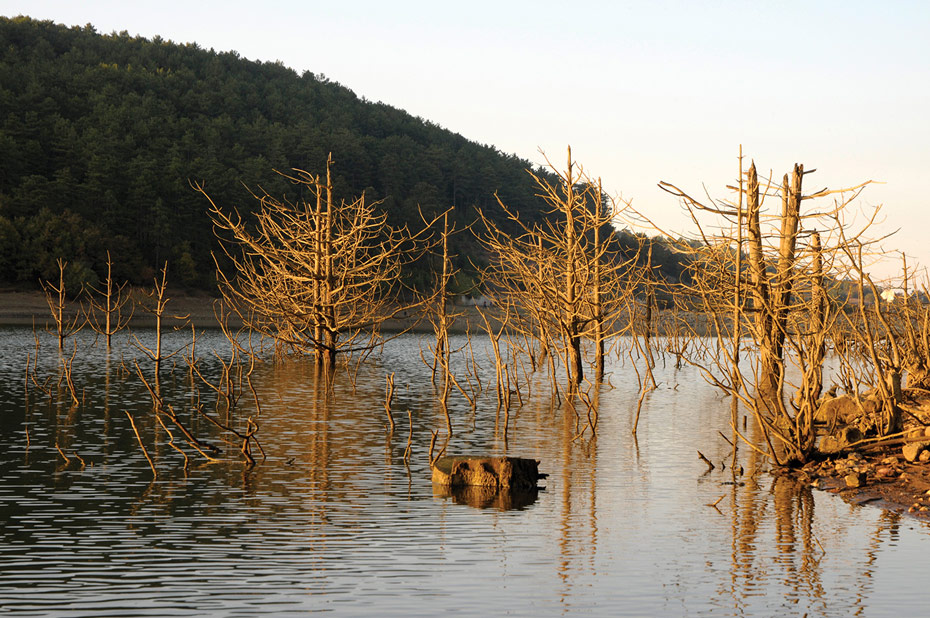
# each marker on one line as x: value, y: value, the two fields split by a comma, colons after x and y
x: 642, y: 91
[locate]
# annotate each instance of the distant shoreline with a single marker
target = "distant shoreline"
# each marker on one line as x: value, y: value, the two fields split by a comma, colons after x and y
x: 30, y: 308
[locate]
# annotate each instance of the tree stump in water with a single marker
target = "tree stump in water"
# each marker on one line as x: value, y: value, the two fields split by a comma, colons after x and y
x: 502, y: 472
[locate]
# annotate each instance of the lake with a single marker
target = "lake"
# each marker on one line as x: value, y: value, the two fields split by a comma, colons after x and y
x: 333, y: 520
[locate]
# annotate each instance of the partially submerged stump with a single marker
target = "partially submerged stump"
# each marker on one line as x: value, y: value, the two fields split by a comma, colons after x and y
x: 501, y: 472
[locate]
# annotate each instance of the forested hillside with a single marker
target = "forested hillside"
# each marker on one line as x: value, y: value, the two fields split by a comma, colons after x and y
x: 101, y: 136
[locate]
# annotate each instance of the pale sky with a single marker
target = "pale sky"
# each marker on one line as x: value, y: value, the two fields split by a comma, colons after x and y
x: 642, y: 91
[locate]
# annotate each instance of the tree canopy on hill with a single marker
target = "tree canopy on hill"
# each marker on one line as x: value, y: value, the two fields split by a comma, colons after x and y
x: 101, y: 135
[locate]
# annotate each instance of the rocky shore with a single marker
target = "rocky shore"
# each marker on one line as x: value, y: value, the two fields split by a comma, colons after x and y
x: 892, y: 472
x: 885, y: 480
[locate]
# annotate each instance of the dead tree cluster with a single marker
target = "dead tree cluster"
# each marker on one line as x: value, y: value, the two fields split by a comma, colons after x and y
x: 773, y: 275
x: 107, y: 311
x: 772, y: 265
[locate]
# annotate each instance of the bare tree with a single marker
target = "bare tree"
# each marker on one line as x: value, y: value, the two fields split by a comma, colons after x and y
x: 314, y: 275
x: 111, y: 305
x: 561, y: 274
x: 55, y: 296
x: 764, y: 274
x: 156, y: 304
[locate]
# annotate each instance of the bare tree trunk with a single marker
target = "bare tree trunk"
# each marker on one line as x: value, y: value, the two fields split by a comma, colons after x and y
x: 442, y: 339
x: 318, y: 277
x: 596, y: 294
x: 738, y: 306
x: 761, y: 306
x: 791, y: 208
x: 573, y: 339
x: 647, y: 319
x: 329, y: 339
x: 818, y: 321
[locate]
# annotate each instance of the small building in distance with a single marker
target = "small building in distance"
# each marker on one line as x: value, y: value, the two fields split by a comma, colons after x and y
x: 892, y: 294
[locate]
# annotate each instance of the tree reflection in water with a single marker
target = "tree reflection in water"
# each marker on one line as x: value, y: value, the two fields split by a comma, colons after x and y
x: 335, y: 513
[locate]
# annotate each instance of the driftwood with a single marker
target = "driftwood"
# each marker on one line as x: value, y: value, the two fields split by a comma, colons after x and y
x: 502, y: 472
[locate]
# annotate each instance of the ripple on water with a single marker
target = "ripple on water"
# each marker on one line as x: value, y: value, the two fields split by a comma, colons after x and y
x: 333, y: 520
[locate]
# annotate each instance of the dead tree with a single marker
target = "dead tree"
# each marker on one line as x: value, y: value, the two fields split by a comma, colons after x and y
x: 774, y: 288
x: 156, y: 305
x: 561, y: 271
x: 316, y: 276
x: 111, y: 305
x: 55, y: 296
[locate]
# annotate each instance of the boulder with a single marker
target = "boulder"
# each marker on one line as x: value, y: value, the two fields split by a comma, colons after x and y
x: 839, y: 440
x: 855, y: 479
x: 844, y: 409
x: 911, y: 450
x: 829, y: 445
x: 884, y: 472
x: 504, y: 472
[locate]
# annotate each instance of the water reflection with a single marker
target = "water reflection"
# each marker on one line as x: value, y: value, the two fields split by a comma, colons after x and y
x: 502, y: 499
x: 335, y: 519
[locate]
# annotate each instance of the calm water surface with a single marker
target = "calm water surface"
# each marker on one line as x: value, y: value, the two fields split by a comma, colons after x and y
x: 334, y: 521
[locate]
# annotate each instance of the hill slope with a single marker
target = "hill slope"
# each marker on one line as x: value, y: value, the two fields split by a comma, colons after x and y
x: 101, y: 134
